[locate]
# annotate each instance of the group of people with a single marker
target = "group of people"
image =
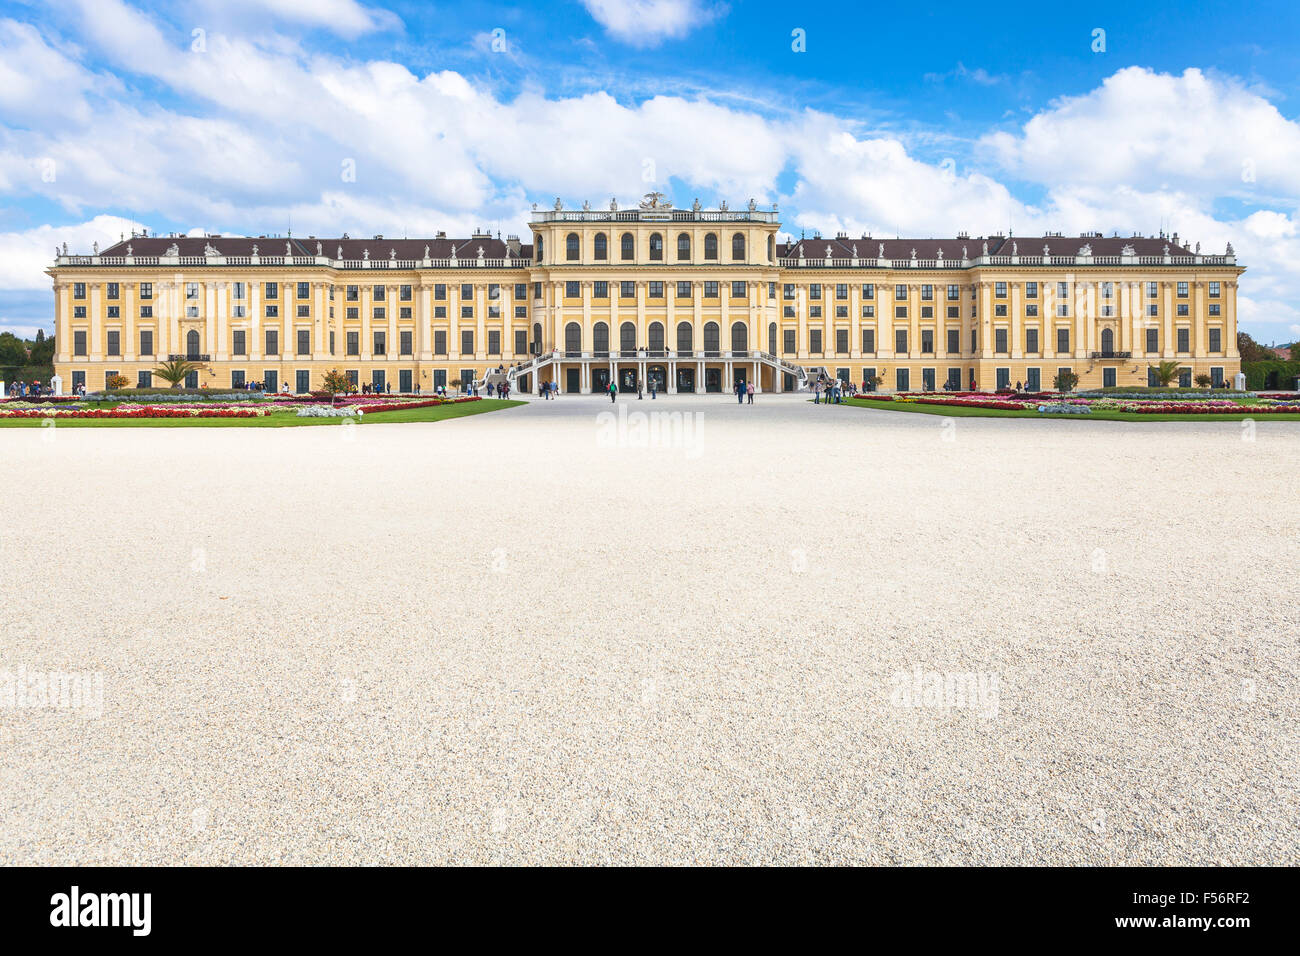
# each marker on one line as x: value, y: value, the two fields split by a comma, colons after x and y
x: 31, y: 389
x: 833, y: 390
x: 501, y: 391
x: 743, y: 390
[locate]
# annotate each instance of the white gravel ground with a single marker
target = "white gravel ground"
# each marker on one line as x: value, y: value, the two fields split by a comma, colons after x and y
x: 522, y: 638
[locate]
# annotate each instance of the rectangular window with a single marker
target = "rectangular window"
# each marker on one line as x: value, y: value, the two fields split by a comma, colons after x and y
x: 466, y: 290
x: 572, y: 290
x: 114, y: 290
x: 954, y: 292
x: 869, y: 340
x: 114, y: 343
x: 787, y: 290
x: 404, y: 342
x: 954, y: 341
x: 868, y: 290
x: 1031, y: 341
x: 272, y: 311
x: 841, y: 312
x: 494, y: 342
x: 1062, y: 310
x: 537, y: 290
x: 146, y: 290
x: 599, y: 290
x: 353, y: 293
x: 1153, y: 340
x: 1153, y: 290
x: 1216, y: 375
x: 272, y: 342
x: 1062, y: 290
x: 377, y: 293
x: 1108, y: 290
x: 1003, y: 378
x: 1108, y: 377
x: 1062, y: 340
x: 379, y: 313
x: 1000, y: 290
x: 710, y: 290
x: 1182, y: 290
x: 927, y: 293
x: 380, y: 343
x: 656, y: 290
x: 683, y: 290
x: 240, y: 346
x: 440, y: 342
x: 900, y: 311
x: 1031, y: 311
x: 467, y: 342
x: 1000, y: 310
x: 1000, y: 341
x: 467, y: 311
x: 814, y: 311
x: 1031, y: 290
x: 1034, y: 379
x: 191, y: 290
x: 352, y: 312
x: 521, y: 290
x: 815, y: 290
x: 304, y: 342
x: 272, y: 290
x: 146, y: 341
x: 815, y: 341
x: 1216, y: 340
x: 900, y: 341
x: 439, y: 290
x: 842, y: 341
x: 304, y: 312
x: 788, y: 341
x: 1184, y: 340
x: 627, y: 290
x: 1214, y: 308
x: 353, y: 343
x: 1214, y: 290
x: 868, y: 311
x: 900, y: 292
x: 521, y: 342
x: 146, y: 312
x: 404, y: 293
x: 304, y: 290
x: 927, y: 341
x: 902, y: 380
x: 331, y: 343
x: 740, y: 290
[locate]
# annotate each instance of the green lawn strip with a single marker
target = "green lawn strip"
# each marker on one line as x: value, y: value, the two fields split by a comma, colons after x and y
x: 957, y: 411
x: 279, y: 419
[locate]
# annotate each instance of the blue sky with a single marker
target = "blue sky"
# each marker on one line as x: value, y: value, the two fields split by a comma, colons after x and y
x: 240, y: 116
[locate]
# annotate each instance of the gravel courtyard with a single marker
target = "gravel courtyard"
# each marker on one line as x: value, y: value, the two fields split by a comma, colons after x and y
x: 542, y: 636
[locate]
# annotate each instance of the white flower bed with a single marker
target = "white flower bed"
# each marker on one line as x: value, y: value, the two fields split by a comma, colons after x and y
x: 326, y: 411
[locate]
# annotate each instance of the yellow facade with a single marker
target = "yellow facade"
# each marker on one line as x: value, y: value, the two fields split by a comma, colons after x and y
x: 690, y: 297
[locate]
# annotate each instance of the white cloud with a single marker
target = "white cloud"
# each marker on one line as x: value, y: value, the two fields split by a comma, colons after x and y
x: 648, y: 22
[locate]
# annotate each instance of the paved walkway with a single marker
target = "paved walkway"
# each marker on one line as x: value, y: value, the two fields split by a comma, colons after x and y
x: 565, y: 632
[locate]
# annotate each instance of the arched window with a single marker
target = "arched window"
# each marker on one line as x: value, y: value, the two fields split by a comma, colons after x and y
x: 685, y: 336
x: 627, y: 337
x: 738, y: 247
x: 573, y: 337
x: 656, y: 247
x: 629, y: 247
x: 683, y: 247
x: 192, y: 344
x: 712, y: 337
x: 537, y: 338
x: 600, y: 337
x: 739, y: 337
x: 538, y: 239
x: 572, y: 249
x: 771, y: 337
x: 1107, y: 341
x: 656, y: 337
x: 771, y: 249
x: 601, y: 246
x: 711, y: 246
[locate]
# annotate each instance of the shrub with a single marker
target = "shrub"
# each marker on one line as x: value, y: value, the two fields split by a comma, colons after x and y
x: 116, y: 381
x: 1065, y: 380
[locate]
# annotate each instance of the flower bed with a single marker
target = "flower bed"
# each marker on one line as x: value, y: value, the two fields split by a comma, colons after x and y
x: 138, y: 411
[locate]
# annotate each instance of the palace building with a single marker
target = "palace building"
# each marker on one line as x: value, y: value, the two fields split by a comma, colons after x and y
x: 689, y: 298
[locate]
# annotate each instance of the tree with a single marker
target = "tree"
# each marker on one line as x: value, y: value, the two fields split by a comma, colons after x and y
x: 1166, y: 372
x: 455, y: 383
x: 13, y: 353
x: 1295, y: 351
x: 1065, y: 381
x: 336, y: 382
x: 1204, y: 380
x: 115, y: 382
x: 1252, y: 351
x: 174, y: 371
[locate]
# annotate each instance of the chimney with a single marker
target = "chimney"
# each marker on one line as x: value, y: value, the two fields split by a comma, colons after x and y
x: 512, y: 243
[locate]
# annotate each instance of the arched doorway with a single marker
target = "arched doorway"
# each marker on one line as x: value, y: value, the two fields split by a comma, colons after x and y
x: 600, y: 339
x: 712, y: 339
x: 739, y: 337
x: 1107, y: 342
x: 685, y: 337
x: 537, y: 338
x: 656, y: 337
x: 627, y: 337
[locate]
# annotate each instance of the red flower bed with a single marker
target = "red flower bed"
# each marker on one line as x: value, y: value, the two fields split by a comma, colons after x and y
x: 399, y: 406
x: 150, y: 412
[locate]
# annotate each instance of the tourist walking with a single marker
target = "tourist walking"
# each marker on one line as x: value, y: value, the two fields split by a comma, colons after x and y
x: 613, y: 391
x: 749, y: 390
x: 740, y: 393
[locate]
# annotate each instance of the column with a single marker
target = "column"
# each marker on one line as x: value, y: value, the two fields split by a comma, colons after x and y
x: 480, y: 314
x: 221, y: 352
x: 254, y: 327
x: 367, y: 305
x: 423, y: 334
x: 1017, y: 326
x: 453, y: 318
x: 1167, y: 311
x: 96, y: 348
x: 1198, y: 319
x: 394, y: 306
